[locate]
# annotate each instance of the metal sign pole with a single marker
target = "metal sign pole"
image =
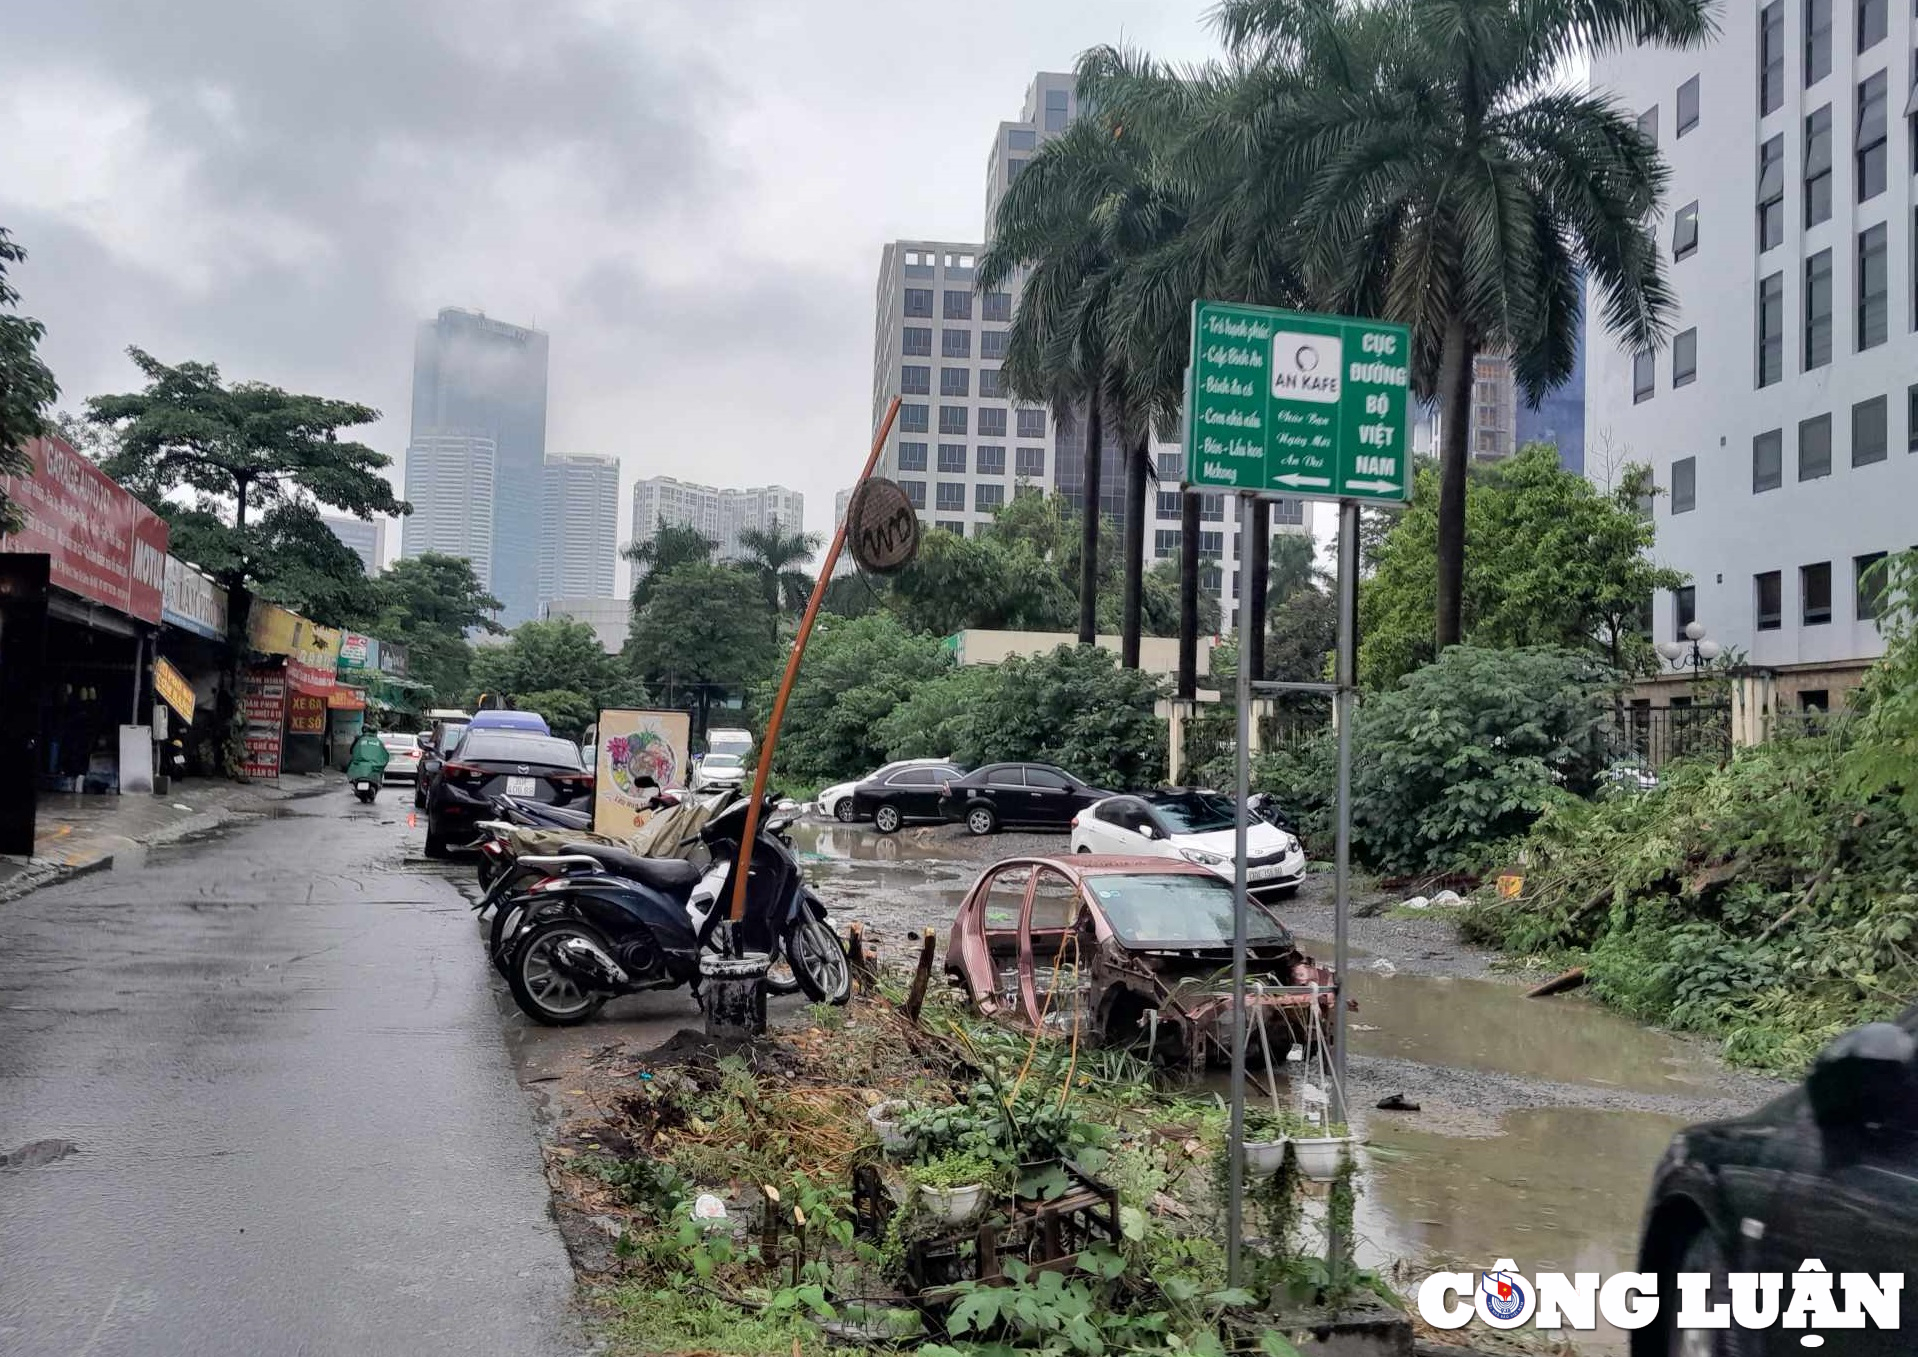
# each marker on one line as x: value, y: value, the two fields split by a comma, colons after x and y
x: 1346, y: 672
x: 1235, y: 1155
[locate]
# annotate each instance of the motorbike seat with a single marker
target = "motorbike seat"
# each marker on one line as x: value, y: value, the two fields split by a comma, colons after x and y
x: 675, y: 875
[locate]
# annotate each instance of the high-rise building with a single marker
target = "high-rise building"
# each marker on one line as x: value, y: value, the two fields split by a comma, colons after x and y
x: 720, y: 515
x: 1781, y: 420
x: 451, y: 482
x: 579, y: 527
x: 484, y: 381
x: 365, y: 536
x: 610, y: 618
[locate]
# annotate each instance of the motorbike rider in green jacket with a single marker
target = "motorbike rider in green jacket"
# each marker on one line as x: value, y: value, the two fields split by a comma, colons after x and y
x: 367, y: 759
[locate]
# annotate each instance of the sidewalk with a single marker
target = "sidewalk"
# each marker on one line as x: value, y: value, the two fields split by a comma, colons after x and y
x: 76, y: 833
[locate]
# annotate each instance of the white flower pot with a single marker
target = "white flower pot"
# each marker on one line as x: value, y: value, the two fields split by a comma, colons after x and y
x: 884, y: 1119
x: 1319, y: 1156
x: 1263, y: 1157
x: 953, y: 1205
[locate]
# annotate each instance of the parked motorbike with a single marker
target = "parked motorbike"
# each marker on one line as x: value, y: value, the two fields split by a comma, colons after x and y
x: 366, y: 789
x: 495, y: 848
x: 605, y: 922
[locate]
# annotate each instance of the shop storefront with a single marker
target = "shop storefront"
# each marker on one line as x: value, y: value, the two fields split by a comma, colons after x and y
x: 77, y: 637
x: 192, y: 645
x: 307, y: 657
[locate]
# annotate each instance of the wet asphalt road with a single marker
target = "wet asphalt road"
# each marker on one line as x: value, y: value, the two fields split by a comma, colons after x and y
x: 297, y: 1129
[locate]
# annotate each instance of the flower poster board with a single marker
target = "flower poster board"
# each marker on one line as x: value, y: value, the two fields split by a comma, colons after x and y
x: 635, y: 748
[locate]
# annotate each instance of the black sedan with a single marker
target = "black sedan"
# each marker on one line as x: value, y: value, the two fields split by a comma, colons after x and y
x: 491, y: 763
x: 1828, y: 1171
x: 1028, y: 795
x: 899, y: 796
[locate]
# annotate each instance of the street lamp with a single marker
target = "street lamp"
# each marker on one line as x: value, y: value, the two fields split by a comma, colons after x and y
x: 1695, y: 650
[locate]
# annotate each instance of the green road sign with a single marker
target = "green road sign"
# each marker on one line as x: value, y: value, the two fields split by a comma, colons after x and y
x: 1308, y: 406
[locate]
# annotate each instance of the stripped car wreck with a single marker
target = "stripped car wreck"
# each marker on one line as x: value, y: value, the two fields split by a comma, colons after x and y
x: 1129, y: 952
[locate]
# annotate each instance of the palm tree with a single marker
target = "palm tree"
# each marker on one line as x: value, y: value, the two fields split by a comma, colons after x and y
x: 671, y: 545
x: 1422, y: 160
x: 774, y: 555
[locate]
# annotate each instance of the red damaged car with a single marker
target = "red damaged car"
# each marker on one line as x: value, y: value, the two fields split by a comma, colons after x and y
x: 1138, y: 951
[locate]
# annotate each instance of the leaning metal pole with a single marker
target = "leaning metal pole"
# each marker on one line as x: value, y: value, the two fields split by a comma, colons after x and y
x: 1346, y: 672
x: 1235, y: 1138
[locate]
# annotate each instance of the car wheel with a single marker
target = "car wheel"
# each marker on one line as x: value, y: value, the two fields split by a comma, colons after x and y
x: 980, y: 821
x: 1702, y: 1254
x: 419, y: 798
x: 1082, y: 848
x: 886, y: 820
x: 842, y: 811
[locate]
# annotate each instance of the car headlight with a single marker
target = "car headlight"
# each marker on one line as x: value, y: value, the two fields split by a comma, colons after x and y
x: 1291, y: 843
x: 1201, y: 857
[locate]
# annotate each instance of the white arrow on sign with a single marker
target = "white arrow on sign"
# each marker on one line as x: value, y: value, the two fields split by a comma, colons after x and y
x: 1293, y: 478
x: 1368, y: 485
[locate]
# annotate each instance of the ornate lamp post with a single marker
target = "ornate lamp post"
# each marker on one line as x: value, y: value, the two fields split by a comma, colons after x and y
x: 1695, y: 650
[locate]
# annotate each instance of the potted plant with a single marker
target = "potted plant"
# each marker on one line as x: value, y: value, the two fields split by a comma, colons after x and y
x: 1319, y: 1155
x: 1263, y: 1140
x: 952, y: 1187
x: 884, y: 1118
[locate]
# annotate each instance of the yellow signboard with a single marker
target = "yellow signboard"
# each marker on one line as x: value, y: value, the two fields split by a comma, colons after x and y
x: 173, y: 689
x: 1511, y: 886
x: 637, y: 748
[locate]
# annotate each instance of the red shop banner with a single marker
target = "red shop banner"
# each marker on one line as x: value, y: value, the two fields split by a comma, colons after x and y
x: 263, y: 703
x: 305, y: 714
x: 103, y: 544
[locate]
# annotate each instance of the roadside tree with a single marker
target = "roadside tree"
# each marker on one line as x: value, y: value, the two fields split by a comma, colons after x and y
x: 856, y: 673
x: 703, y: 633
x: 671, y: 546
x: 27, y: 388
x: 430, y: 603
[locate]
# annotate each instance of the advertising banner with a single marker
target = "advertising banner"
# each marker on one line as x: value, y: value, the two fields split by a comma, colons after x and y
x: 263, y: 702
x: 173, y: 688
x: 312, y: 651
x: 305, y: 714
x: 192, y: 602
x: 345, y: 697
x: 358, y: 652
x: 102, y: 543
x: 636, y: 746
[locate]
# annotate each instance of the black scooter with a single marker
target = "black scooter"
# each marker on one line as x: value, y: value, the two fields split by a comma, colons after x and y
x: 586, y: 934
x: 508, y: 811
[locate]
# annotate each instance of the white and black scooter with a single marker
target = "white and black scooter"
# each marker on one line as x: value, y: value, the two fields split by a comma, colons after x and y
x: 366, y: 789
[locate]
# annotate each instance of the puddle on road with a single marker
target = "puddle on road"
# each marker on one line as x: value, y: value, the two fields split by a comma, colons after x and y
x: 857, y: 843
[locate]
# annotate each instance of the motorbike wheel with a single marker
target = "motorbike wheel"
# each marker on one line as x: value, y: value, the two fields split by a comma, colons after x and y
x: 486, y: 871
x: 780, y: 978
x: 818, y: 961
x: 541, y: 991
x: 507, y: 917
x: 843, y: 811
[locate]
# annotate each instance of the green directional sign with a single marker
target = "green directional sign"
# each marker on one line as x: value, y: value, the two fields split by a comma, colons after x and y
x: 1308, y: 406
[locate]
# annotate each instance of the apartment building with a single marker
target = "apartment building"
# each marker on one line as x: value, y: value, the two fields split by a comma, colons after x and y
x: 720, y: 514
x: 1781, y: 421
x: 579, y: 527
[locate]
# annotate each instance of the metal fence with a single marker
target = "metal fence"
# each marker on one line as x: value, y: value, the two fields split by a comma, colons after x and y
x: 1654, y: 736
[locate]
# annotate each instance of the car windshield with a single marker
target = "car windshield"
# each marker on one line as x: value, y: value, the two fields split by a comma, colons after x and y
x: 490, y: 746
x: 1178, y: 910
x: 721, y: 761
x: 1194, y: 812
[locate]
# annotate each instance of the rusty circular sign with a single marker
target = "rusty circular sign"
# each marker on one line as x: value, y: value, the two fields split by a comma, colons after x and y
x: 882, y: 527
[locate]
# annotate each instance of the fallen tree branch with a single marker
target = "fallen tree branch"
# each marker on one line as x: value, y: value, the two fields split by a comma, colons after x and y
x: 1817, y: 884
x: 1558, y: 984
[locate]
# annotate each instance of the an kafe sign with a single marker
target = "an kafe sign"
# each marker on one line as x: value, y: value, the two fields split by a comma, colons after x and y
x: 882, y: 527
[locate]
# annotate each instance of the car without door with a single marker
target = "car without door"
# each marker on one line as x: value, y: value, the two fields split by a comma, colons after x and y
x: 1197, y: 827
x: 836, y: 801
x: 902, y: 794
x: 1132, y: 952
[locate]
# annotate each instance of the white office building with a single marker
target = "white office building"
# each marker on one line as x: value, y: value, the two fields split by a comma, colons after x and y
x: 366, y: 536
x: 1781, y: 421
x: 579, y: 527
x: 720, y: 514
x: 610, y: 618
x: 450, y: 478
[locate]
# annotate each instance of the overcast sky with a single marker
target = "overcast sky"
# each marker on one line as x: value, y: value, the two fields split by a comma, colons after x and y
x: 689, y: 196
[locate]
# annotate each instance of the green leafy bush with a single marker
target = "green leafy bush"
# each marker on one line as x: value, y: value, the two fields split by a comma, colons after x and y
x: 856, y: 672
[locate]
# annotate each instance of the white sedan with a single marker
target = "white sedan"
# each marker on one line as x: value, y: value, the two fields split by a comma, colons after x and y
x: 402, y: 755
x: 836, y: 801
x: 718, y: 770
x: 1195, y: 826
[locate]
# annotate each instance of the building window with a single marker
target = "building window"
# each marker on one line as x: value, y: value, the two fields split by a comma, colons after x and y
x: 1212, y: 508
x: 915, y: 380
x: 1684, y: 485
x: 952, y: 419
x: 992, y: 343
x: 1771, y: 57
x: 1165, y: 543
x: 955, y: 526
x: 1768, y: 461
x: 915, y: 493
x: 1212, y: 545
x: 1818, y: 310
x: 955, y: 381
x: 1685, y: 232
x: 1868, y: 585
x: 996, y: 306
x: 1871, y: 24
x: 1169, y: 505
x: 1030, y: 462
x: 958, y: 304
x: 919, y: 264
x: 1289, y: 511
x: 1171, y: 466
x: 962, y: 264
x: 1769, y: 593
x: 1643, y: 368
x: 919, y: 301
x: 912, y: 456
x: 952, y: 457
x: 992, y: 421
x: 1814, y: 447
x: 992, y: 382
x: 991, y: 458
x: 987, y: 499
x: 951, y: 496
x: 1818, y: 165
x: 1771, y: 329
x: 1814, y: 592
x: 1874, y: 288
x: 912, y: 418
x: 1032, y: 424
x: 1869, y: 440
x: 1911, y: 419
x: 1024, y: 138
x: 1684, y: 610
x: 916, y: 341
x: 955, y: 343
x: 1688, y: 106
x: 1014, y: 168
x: 1817, y: 41
x: 1872, y: 133
x: 1685, y: 357
x: 1055, y: 110
x: 1648, y: 124
x: 1771, y: 193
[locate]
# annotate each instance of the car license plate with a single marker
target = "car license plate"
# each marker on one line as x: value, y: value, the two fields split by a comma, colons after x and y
x: 1263, y: 873
x: 519, y: 786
